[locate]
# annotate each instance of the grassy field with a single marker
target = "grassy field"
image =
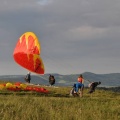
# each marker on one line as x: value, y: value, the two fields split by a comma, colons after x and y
x: 58, y: 105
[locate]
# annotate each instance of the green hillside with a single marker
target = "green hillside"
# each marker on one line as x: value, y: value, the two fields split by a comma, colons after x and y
x: 107, y: 80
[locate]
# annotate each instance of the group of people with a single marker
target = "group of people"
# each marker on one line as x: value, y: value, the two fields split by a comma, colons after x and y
x: 51, y: 79
x: 78, y: 87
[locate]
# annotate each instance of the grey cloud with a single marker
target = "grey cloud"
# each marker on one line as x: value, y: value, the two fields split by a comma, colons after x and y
x: 79, y: 35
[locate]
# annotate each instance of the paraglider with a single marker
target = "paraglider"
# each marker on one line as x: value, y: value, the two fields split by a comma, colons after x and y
x: 18, y: 86
x: 27, y: 53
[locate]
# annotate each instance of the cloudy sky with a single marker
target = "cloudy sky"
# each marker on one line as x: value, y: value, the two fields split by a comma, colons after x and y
x: 76, y: 36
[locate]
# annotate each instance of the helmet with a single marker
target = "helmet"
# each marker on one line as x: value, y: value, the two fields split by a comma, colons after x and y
x: 29, y: 73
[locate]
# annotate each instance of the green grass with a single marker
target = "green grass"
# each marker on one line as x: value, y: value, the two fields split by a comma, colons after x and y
x: 58, y: 105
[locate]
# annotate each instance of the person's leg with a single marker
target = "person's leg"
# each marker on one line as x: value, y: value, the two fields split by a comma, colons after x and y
x: 91, y: 89
x: 81, y: 91
x: 77, y: 87
x: 72, y: 92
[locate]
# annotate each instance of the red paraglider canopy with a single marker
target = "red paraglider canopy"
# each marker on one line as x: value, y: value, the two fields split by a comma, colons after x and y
x: 27, y: 53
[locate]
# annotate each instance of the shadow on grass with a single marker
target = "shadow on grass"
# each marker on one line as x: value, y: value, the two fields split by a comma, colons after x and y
x: 32, y: 93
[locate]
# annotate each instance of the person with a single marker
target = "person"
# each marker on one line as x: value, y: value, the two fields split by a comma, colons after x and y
x: 51, y: 80
x: 77, y: 89
x: 93, y: 86
x: 28, y: 77
x: 81, y: 79
x: 80, y: 85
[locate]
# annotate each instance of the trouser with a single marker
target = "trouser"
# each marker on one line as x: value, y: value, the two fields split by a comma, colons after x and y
x: 79, y: 86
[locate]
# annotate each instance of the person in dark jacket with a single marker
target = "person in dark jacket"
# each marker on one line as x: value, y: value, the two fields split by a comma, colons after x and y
x: 93, y: 86
x: 51, y: 80
x: 28, y: 77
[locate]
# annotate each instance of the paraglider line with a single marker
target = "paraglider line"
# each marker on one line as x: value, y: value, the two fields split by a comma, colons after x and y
x: 87, y: 80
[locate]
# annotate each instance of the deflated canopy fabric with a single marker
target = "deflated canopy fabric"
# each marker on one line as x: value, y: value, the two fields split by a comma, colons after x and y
x: 27, y: 53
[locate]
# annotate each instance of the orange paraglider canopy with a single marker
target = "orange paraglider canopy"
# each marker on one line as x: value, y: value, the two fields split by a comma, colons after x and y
x: 27, y: 53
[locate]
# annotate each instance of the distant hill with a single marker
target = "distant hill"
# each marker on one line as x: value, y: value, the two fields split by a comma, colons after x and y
x: 107, y: 80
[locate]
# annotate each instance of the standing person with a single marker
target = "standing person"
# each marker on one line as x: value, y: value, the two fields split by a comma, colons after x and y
x: 51, y: 80
x: 80, y: 84
x: 28, y: 77
x: 93, y: 86
x: 81, y: 79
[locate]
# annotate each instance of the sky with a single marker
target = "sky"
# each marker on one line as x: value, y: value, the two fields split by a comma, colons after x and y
x: 76, y: 36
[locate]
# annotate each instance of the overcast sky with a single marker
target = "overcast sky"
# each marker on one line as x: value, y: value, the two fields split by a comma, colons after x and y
x: 76, y: 36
